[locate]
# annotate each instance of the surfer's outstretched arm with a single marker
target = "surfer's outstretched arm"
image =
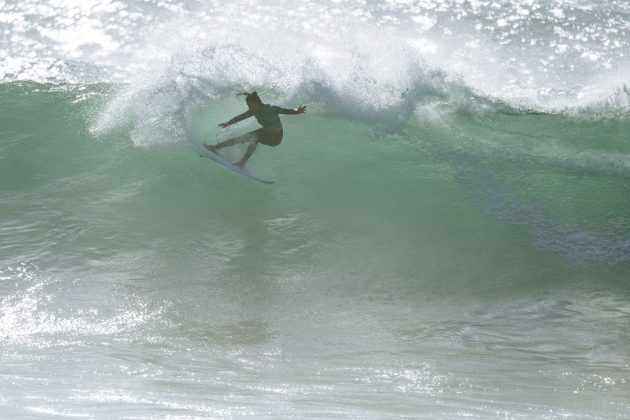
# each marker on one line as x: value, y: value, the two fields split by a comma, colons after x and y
x: 236, y: 119
x: 300, y: 110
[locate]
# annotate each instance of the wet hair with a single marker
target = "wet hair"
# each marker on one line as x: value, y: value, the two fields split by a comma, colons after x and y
x: 250, y: 97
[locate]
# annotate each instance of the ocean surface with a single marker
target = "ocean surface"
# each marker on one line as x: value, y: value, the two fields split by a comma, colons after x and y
x: 448, y: 234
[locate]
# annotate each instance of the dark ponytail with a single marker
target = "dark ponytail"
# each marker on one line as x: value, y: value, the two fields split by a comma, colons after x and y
x: 250, y: 98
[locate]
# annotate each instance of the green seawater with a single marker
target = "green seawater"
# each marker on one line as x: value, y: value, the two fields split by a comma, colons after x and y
x: 461, y: 262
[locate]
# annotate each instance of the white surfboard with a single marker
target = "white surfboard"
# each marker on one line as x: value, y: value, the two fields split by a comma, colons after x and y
x: 217, y: 157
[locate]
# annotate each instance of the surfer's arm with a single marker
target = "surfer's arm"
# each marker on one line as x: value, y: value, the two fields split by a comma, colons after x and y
x: 236, y: 119
x: 300, y: 110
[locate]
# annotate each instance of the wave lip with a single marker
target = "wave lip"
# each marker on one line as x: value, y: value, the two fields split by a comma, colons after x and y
x: 553, y: 55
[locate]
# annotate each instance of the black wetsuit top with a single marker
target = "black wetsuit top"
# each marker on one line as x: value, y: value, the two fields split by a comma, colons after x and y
x: 267, y: 116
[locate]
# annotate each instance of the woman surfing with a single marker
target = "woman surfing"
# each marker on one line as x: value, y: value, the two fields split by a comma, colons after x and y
x: 267, y: 115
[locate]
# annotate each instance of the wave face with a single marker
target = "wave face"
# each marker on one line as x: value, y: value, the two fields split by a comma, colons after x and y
x: 449, y: 226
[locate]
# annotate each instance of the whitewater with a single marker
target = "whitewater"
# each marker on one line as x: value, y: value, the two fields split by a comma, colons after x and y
x: 447, y: 235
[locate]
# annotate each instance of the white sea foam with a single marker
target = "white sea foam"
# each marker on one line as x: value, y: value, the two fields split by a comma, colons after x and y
x: 550, y: 53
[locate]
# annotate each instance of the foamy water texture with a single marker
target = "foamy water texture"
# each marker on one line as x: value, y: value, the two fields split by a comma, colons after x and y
x: 551, y: 52
x: 447, y: 235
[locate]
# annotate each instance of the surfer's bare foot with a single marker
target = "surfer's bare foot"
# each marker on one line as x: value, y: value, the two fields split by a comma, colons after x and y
x: 240, y: 164
x: 210, y: 147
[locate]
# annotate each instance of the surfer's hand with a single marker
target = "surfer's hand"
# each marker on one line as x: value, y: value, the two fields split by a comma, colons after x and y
x: 301, y: 109
x: 223, y: 125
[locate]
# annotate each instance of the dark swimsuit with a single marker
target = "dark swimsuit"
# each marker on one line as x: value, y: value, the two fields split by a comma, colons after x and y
x: 271, y: 132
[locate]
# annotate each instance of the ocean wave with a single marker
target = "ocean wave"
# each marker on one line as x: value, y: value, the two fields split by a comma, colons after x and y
x: 550, y: 56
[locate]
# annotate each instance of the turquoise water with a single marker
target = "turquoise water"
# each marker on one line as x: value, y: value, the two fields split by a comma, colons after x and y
x: 444, y: 238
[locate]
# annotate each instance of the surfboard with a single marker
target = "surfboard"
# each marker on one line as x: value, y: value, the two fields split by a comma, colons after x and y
x: 217, y: 157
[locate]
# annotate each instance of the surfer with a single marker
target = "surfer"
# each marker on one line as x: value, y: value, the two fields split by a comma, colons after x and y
x: 267, y: 115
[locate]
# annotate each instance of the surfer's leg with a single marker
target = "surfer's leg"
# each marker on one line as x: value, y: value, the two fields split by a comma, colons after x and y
x: 228, y: 143
x: 250, y: 151
x: 247, y: 138
x: 270, y: 139
x: 266, y: 138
